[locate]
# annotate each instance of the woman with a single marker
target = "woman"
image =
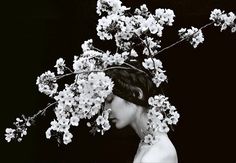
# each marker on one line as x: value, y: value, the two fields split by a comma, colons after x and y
x: 129, y: 106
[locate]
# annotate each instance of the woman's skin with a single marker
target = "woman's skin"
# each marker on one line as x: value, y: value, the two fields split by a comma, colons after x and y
x: 125, y: 113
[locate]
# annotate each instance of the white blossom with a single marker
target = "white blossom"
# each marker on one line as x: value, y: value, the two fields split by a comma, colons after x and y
x: 106, y: 126
x: 89, y: 124
x: 193, y: 35
x: 100, y: 120
x: 164, y: 16
x: 87, y: 45
x: 63, y: 121
x: 84, y: 64
x: 9, y: 134
x: 164, y: 128
x: 169, y: 121
x: 60, y: 65
x: 65, y: 97
x: 19, y: 120
x: 67, y: 137
x: 105, y: 26
x: 133, y: 53
x: 151, y: 46
x: 48, y: 133
x: 110, y: 7
x: 24, y: 132
x: 148, y: 139
x: 159, y: 78
x: 55, y: 125
x: 106, y: 113
x: 74, y: 120
x: 152, y: 63
x: 63, y: 127
x: 159, y: 115
x: 103, y: 122
x: 47, y: 83
x: 152, y: 25
x: 157, y: 120
x: 175, y: 116
x: 157, y: 100
x: 220, y: 18
x: 19, y: 131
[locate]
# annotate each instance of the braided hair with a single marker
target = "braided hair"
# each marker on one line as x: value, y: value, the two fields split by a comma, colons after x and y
x: 129, y: 82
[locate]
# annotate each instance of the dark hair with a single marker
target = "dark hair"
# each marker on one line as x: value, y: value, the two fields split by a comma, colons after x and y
x: 128, y: 82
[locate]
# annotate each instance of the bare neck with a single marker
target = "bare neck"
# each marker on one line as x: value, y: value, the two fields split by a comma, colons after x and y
x: 139, y: 123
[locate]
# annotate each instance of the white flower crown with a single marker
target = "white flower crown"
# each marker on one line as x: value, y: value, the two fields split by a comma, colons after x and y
x: 85, y: 97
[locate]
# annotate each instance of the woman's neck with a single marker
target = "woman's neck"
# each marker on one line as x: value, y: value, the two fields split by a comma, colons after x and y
x: 139, y: 123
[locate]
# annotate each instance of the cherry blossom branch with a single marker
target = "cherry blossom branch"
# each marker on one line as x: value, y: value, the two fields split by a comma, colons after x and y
x: 149, y: 51
x: 68, y: 69
x: 135, y: 68
x: 183, y: 39
x: 139, y: 38
x: 147, y: 46
x: 62, y: 76
x: 106, y: 69
x: 99, y: 50
x: 41, y: 112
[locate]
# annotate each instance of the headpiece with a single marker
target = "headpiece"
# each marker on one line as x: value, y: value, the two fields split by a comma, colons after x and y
x: 85, y: 97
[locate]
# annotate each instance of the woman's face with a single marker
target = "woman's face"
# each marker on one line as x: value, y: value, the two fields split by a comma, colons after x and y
x: 122, y: 112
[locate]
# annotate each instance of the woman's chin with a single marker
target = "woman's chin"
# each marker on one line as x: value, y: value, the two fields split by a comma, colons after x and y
x: 119, y: 125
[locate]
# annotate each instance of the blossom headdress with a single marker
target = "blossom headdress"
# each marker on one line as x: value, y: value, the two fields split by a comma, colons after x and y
x: 85, y: 97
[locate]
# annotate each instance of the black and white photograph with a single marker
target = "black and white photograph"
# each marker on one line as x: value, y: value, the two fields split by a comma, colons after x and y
x: 118, y: 81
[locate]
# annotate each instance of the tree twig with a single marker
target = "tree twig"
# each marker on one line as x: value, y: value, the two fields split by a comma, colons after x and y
x: 40, y: 112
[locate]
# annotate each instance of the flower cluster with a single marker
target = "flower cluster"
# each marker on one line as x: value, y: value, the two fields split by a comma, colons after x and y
x: 160, y: 116
x: 130, y: 30
x: 20, y: 131
x: 84, y: 98
x: 110, y: 7
x: 81, y: 100
x: 47, y: 83
x: 220, y: 18
x: 193, y: 35
x: 60, y: 65
x: 102, y: 123
x: 155, y: 66
x: 124, y: 28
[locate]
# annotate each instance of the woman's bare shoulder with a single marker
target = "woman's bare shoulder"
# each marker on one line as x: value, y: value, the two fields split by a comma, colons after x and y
x: 161, y: 152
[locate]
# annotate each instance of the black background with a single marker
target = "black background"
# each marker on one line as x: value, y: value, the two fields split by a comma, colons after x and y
x: 201, y: 81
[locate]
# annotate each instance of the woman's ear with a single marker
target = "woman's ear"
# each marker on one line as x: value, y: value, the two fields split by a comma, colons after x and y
x: 139, y: 93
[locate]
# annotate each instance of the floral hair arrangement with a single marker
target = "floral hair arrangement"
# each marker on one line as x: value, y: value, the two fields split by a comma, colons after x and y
x: 85, y: 97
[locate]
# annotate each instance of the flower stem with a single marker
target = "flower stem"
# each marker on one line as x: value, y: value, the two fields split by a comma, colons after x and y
x: 135, y: 68
x: 40, y: 112
x: 99, y: 50
x: 106, y: 69
x: 68, y: 69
